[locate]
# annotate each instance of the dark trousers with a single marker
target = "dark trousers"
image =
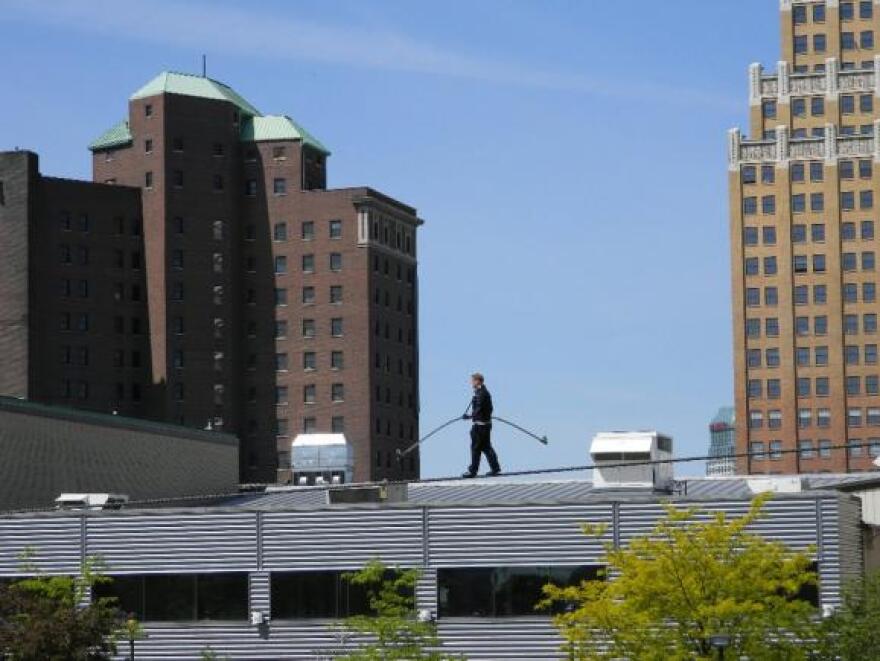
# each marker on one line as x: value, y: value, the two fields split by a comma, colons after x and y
x: 481, y: 443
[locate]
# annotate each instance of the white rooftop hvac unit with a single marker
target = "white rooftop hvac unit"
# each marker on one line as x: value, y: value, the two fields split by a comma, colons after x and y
x: 91, y: 501
x: 321, y: 459
x: 623, y: 460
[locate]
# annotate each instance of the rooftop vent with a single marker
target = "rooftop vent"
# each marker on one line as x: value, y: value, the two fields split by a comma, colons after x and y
x: 622, y: 460
x: 319, y: 459
x: 90, y: 501
x: 379, y: 493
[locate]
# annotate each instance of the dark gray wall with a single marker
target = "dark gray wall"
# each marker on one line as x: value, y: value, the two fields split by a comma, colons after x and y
x: 45, y: 451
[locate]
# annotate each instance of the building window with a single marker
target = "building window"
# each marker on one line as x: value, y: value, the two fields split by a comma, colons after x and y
x: 279, y: 232
x: 281, y: 362
x: 308, y: 328
x: 310, y: 425
x: 774, y: 419
x: 335, y: 261
x: 806, y: 450
x: 308, y: 230
x: 280, y: 264
x: 148, y: 110
x: 278, y: 153
x: 336, y: 294
x: 769, y: 109
x: 504, y: 591
x: 279, y: 186
x: 337, y: 360
x: 855, y: 447
x: 309, y: 394
x: 750, y: 206
x: 308, y: 263
x: 854, y: 417
x: 756, y: 420
x: 755, y: 387
x: 148, y: 180
x: 281, y: 395
x: 336, y: 327
x: 335, y: 229
x: 337, y: 424
x: 337, y: 392
x: 250, y: 187
x: 316, y: 594
x: 308, y: 295
x: 310, y: 361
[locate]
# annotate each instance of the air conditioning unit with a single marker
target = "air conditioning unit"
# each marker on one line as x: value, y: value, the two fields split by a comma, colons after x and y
x: 90, y: 501
x: 632, y: 460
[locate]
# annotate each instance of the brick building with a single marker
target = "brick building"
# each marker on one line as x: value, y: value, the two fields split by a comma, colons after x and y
x: 209, y: 278
x: 803, y: 205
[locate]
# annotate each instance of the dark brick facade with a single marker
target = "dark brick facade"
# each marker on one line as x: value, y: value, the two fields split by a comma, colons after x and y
x: 269, y: 305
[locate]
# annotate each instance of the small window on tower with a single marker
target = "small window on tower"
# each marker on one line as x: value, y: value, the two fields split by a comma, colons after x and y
x: 279, y: 153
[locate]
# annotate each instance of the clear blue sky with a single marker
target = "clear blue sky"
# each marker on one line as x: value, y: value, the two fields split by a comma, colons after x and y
x: 568, y: 156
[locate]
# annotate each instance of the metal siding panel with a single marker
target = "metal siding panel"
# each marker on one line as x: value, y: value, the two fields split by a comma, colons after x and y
x: 54, y: 541
x: 182, y: 542
x: 510, y: 536
x: 426, y: 591
x: 259, y: 592
x: 342, y: 539
x: 501, y: 639
x: 478, y: 640
x: 841, y: 546
x: 792, y: 522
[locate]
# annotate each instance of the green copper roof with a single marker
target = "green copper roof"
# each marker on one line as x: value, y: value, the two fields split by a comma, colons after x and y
x: 277, y: 127
x: 254, y: 126
x: 170, y: 82
x: 115, y: 137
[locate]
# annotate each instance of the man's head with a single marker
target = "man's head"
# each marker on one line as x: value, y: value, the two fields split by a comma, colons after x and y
x: 477, y: 379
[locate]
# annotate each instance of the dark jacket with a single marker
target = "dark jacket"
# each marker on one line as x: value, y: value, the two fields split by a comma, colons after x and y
x: 481, y: 405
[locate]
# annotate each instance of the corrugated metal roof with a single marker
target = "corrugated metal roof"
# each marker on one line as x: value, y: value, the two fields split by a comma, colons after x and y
x: 116, y: 136
x: 277, y: 127
x: 503, y: 491
x: 185, y: 84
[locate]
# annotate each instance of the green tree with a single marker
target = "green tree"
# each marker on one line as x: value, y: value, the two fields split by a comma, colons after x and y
x: 49, y: 618
x: 852, y: 632
x: 689, y: 579
x: 393, y: 631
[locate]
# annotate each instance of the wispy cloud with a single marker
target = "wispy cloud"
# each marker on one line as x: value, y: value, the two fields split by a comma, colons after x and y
x: 250, y: 33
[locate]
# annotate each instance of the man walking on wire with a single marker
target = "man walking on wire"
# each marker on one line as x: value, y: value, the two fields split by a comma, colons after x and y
x: 481, y: 431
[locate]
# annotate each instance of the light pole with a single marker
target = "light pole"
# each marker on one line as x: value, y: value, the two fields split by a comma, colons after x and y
x: 720, y: 642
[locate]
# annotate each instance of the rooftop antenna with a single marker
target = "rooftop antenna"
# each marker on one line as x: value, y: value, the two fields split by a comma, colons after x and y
x: 204, y: 66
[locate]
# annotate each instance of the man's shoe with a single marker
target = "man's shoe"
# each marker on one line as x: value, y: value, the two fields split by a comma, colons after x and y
x: 468, y: 475
x: 494, y: 473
